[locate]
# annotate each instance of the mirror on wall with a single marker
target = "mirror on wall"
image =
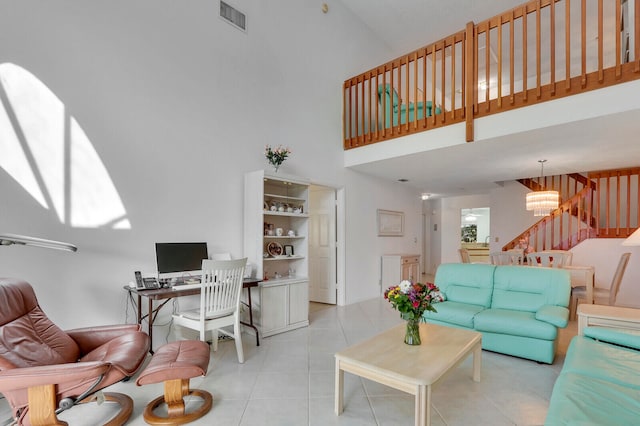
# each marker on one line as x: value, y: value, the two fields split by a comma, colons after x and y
x: 474, y: 225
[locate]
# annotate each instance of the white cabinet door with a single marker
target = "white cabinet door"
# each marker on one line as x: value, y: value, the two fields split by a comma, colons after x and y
x: 298, y: 302
x: 273, y: 308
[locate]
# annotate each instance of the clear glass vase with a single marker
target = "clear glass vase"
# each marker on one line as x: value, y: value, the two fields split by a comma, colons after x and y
x: 412, y: 334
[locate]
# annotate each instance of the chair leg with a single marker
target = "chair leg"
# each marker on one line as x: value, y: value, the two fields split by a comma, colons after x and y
x: 237, y: 331
x: 214, y: 340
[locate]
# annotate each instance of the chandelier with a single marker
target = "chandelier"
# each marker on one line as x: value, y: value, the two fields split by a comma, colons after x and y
x: 542, y: 202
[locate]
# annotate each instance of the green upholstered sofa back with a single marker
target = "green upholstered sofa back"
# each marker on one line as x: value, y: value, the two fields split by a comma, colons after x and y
x: 527, y: 288
x: 466, y: 282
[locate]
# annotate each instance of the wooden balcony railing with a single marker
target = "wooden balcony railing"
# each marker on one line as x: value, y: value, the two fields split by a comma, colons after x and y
x: 536, y: 52
x: 607, y: 206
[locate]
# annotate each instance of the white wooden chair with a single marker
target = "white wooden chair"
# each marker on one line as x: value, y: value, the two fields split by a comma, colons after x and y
x: 610, y: 294
x: 509, y: 257
x: 219, y: 302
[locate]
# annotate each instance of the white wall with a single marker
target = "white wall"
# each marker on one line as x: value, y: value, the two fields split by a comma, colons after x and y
x: 364, y: 247
x: 178, y: 105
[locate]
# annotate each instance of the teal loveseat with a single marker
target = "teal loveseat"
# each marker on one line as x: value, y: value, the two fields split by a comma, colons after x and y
x: 392, y: 107
x: 518, y: 309
x: 600, y: 380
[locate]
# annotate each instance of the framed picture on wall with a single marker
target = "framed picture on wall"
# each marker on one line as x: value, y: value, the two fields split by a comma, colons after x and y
x: 390, y: 223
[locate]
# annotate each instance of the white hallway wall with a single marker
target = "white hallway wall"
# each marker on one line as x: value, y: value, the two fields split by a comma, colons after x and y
x: 178, y: 105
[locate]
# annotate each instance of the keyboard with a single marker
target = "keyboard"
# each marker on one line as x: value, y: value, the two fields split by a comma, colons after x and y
x: 186, y: 286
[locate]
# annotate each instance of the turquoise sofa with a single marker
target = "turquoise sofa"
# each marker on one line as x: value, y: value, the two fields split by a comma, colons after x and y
x: 393, y: 108
x: 599, y: 383
x: 518, y: 309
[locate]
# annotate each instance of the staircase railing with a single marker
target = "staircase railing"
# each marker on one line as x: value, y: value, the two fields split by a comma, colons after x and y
x: 539, y: 51
x: 607, y: 206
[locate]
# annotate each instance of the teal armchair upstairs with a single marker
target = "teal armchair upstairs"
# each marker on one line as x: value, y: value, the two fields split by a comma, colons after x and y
x: 390, y: 105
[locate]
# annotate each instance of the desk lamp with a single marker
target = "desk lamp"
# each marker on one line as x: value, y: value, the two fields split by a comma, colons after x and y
x: 11, y: 239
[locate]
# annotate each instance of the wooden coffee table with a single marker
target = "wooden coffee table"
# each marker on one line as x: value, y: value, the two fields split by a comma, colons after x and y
x: 386, y: 359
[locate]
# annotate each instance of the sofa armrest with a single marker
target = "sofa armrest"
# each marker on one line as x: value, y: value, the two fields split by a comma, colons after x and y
x: 28, y: 377
x: 627, y: 338
x: 89, y: 338
x: 556, y: 315
x: 607, y: 316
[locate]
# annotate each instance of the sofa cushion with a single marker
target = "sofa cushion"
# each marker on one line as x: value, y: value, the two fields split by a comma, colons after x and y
x: 603, y: 361
x: 515, y: 323
x: 582, y: 400
x: 466, y: 282
x: 461, y: 314
x: 527, y: 288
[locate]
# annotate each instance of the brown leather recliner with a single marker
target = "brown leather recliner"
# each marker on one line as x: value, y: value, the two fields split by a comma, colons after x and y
x: 43, y: 367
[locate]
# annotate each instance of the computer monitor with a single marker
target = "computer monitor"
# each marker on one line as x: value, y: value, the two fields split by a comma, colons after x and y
x: 176, y: 260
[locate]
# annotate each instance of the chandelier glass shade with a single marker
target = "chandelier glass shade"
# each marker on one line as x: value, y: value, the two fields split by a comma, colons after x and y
x: 542, y: 202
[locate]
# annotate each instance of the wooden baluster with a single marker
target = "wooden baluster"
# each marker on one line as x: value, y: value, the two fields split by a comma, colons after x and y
x: 360, y: 120
x: 599, y: 194
x: 552, y: 43
x: 617, y: 202
x: 512, y: 60
x: 600, y: 43
x: 538, y: 52
x: 433, y: 84
x: 618, y: 17
x: 384, y: 104
x: 453, y: 80
x: 415, y: 92
x: 524, y: 52
x: 443, y: 83
x: 567, y: 45
x: 487, y: 65
x: 377, y: 104
x: 476, y: 71
x: 424, y: 85
x: 470, y: 88
x: 628, y: 216
x: 415, y: 106
x: 608, y: 191
x: 636, y: 49
x: 499, y: 65
x: 583, y: 35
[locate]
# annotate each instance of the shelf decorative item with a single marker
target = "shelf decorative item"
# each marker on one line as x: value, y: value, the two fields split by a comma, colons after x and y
x: 412, y: 301
x: 276, y: 156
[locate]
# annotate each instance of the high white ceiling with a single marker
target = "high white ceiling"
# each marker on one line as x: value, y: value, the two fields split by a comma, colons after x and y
x: 596, y: 144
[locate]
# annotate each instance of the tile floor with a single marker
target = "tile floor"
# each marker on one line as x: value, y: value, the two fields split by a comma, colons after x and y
x: 289, y: 380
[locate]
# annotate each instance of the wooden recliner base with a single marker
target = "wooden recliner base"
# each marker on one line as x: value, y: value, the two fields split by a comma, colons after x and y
x: 174, y: 392
x: 42, y: 406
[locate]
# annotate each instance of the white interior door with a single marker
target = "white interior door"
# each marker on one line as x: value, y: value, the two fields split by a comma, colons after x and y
x: 322, y: 244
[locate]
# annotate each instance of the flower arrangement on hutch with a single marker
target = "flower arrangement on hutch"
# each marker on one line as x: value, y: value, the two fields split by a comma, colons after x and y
x: 276, y: 156
x: 413, y: 300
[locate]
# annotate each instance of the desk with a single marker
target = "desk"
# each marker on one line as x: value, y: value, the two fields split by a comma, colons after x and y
x: 166, y: 294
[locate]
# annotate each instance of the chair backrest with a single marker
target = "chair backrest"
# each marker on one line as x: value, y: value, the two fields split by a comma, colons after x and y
x: 515, y: 256
x: 221, y: 287
x: 464, y: 255
x: 30, y: 338
x: 550, y: 258
x: 617, y: 278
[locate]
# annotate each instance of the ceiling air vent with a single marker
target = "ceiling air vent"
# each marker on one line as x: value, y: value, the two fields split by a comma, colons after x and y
x: 233, y: 16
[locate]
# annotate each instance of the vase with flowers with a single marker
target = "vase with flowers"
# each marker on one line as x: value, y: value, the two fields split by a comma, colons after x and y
x: 276, y: 156
x: 412, y: 300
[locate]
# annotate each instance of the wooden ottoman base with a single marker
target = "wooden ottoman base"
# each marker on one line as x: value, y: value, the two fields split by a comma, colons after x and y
x: 174, y: 393
x: 174, y: 364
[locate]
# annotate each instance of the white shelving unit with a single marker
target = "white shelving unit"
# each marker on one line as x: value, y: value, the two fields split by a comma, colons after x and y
x: 273, y: 202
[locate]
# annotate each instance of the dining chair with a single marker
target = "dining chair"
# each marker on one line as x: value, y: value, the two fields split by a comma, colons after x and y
x: 219, y: 303
x: 464, y: 255
x: 610, y: 294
